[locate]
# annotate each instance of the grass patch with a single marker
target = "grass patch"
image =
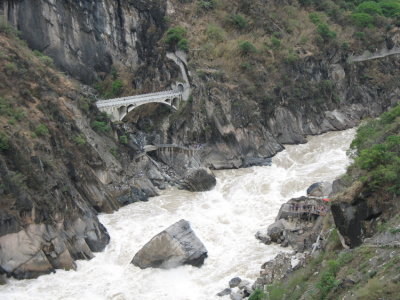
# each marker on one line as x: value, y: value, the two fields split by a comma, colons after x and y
x: 42, y: 130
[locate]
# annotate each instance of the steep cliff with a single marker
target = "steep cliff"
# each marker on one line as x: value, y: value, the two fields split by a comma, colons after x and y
x: 86, y: 38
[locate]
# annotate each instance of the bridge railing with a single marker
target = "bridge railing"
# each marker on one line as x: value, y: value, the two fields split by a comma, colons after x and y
x: 321, y: 210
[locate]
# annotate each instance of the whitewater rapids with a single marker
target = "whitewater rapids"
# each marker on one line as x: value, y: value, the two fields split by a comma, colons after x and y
x: 225, y: 219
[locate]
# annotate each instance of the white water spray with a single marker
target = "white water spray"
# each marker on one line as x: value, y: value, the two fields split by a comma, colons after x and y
x: 225, y: 220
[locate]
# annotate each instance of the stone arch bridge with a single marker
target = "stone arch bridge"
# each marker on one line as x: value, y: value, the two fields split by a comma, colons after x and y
x: 118, y: 108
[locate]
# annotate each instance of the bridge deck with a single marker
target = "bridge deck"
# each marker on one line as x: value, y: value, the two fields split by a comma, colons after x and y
x: 149, y: 148
x: 145, y: 98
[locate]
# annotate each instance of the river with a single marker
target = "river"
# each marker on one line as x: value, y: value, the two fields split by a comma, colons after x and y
x: 225, y: 219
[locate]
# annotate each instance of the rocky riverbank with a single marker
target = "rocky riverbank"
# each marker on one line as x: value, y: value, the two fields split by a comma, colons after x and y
x: 299, y: 225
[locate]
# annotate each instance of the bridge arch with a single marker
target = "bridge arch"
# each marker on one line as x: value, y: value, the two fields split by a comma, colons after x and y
x: 118, y: 108
x: 122, y: 112
x: 130, y: 108
x: 175, y: 102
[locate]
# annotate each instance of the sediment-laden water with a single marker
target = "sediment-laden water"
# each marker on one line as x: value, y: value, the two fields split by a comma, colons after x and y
x: 225, y: 219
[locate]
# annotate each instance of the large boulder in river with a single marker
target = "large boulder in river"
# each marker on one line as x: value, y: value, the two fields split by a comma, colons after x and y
x: 199, y: 180
x: 177, y: 245
x: 319, y: 189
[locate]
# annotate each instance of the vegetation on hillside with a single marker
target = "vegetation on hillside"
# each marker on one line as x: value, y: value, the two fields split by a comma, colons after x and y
x: 378, y: 147
x: 366, y: 272
x: 39, y: 137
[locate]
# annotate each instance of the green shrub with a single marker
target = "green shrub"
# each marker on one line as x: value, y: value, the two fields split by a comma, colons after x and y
x: 291, y: 58
x: 7, y: 29
x: 275, y: 43
x: 79, y: 139
x: 176, y: 38
x: 315, y: 18
x: 117, y: 88
x: 238, y: 21
x: 123, y: 139
x: 325, y: 32
x: 369, y: 7
x: 183, y: 45
x: 246, y: 48
x: 207, y: 4
x: 390, y: 8
x: 115, y: 152
x: 84, y: 104
x: 6, y: 108
x: 100, y: 126
x: 114, y: 73
x: 215, y: 33
x: 42, y: 130
x: 275, y: 292
x: 345, y: 46
x: 378, y: 146
x: 359, y: 35
x: 11, y: 68
x: 258, y: 295
x: 48, y: 61
x: 362, y: 19
x: 4, y: 142
x: 328, y: 279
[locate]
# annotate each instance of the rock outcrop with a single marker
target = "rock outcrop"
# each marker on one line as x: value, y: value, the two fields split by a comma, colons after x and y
x: 278, y: 268
x: 298, y: 223
x: 177, y: 245
x: 42, y: 248
x: 199, y: 180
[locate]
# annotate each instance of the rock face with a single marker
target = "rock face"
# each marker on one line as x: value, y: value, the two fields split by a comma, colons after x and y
x: 199, y: 180
x: 86, y: 37
x: 177, y: 245
x: 353, y: 209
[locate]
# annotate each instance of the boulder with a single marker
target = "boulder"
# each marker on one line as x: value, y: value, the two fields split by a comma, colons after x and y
x: 177, y: 245
x: 199, y: 180
x: 224, y: 292
x: 276, y: 230
x: 263, y: 237
x: 320, y: 189
x: 279, y: 268
x: 234, y: 282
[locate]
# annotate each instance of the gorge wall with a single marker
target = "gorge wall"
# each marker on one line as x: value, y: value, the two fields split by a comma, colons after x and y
x: 85, y: 38
x: 243, y: 108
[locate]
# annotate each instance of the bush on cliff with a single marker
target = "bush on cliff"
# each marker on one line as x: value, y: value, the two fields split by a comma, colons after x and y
x: 258, y: 295
x: 4, y: 142
x: 378, y: 146
x: 176, y: 38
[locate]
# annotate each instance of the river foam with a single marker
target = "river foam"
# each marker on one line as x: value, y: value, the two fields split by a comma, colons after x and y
x: 225, y: 220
